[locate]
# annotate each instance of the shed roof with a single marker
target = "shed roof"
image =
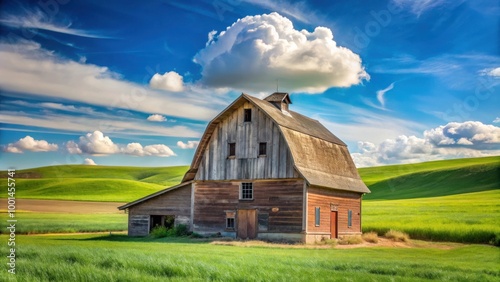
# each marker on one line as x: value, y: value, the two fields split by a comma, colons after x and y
x: 143, y: 199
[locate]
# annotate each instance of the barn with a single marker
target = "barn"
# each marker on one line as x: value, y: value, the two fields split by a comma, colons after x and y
x: 261, y: 171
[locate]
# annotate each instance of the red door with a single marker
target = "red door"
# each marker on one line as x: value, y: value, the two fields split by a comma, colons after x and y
x: 333, y: 225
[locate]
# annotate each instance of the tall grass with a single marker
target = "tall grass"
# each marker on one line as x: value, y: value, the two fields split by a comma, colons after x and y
x: 465, y: 218
x: 39, y: 223
x: 119, y: 258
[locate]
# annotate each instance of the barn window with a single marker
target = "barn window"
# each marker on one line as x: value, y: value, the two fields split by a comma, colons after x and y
x: 262, y: 149
x: 247, y: 115
x: 232, y: 150
x: 230, y: 220
x: 317, y: 216
x: 349, y: 218
x: 246, y: 191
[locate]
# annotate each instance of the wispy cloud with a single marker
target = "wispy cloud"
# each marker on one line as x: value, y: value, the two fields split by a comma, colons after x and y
x: 60, y: 78
x: 108, y: 123
x: 37, y: 19
x: 296, y: 10
x: 418, y: 7
x: 381, y: 93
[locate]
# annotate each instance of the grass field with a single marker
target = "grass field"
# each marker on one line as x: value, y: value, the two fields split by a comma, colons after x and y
x: 452, y: 200
x: 39, y: 223
x: 470, y: 217
x: 119, y: 258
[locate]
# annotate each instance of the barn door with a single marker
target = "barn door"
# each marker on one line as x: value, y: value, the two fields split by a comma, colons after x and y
x: 247, y: 227
x: 333, y: 224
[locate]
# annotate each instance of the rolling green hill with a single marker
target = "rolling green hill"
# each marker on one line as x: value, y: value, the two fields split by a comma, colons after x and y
x: 432, y: 179
x: 95, y: 183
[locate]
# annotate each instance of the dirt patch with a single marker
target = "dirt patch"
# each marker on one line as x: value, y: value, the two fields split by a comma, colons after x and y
x: 383, y: 242
x: 28, y: 205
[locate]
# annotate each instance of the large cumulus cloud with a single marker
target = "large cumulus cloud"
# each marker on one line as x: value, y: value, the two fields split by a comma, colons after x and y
x: 256, y: 50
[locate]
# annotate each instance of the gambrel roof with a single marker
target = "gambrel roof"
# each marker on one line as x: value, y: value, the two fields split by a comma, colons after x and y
x: 319, y: 156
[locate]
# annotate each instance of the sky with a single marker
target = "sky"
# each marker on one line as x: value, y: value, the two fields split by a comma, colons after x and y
x: 135, y: 84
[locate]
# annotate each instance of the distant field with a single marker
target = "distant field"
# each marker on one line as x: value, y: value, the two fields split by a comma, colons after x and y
x: 373, y: 175
x: 95, y: 183
x: 119, y: 258
x: 467, y: 218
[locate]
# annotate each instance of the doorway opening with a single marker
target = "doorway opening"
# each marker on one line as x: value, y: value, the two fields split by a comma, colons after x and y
x: 166, y: 221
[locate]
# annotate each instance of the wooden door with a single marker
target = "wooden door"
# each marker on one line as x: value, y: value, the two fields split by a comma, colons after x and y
x: 247, y: 224
x: 333, y: 225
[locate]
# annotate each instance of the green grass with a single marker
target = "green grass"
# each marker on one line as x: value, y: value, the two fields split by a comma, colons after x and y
x: 95, y: 183
x: 84, y: 189
x: 39, y: 223
x: 452, y: 200
x: 119, y: 258
x: 371, y: 175
x: 470, y: 217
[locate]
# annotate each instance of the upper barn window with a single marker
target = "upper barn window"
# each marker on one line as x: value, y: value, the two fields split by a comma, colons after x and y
x: 246, y: 191
x: 231, y: 150
x: 262, y: 149
x: 247, y: 117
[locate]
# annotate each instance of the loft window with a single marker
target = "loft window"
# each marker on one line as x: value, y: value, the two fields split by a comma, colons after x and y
x: 246, y: 192
x: 349, y: 218
x: 232, y: 149
x: 262, y: 149
x: 230, y: 220
x: 247, y: 115
x: 317, y: 216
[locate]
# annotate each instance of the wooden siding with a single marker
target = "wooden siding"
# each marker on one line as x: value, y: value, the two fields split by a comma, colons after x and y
x: 213, y: 199
x: 324, y: 198
x: 176, y: 202
x: 247, y: 164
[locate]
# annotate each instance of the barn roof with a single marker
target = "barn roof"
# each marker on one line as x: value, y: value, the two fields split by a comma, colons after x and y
x: 319, y: 156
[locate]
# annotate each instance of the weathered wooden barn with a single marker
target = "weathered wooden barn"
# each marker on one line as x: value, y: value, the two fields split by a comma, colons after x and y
x: 261, y: 171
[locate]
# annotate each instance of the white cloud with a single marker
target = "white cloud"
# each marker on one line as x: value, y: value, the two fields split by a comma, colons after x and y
x: 88, y: 161
x: 156, y: 117
x: 188, y: 145
x: 256, y: 50
x: 60, y: 78
x: 470, y: 133
x: 159, y: 150
x: 495, y: 72
x: 97, y: 144
x: 454, y: 140
x: 381, y: 93
x: 29, y: 144
x: 73, y: 148
x: 37, y: 19
x: 497, y: 120
x: 170, y: 81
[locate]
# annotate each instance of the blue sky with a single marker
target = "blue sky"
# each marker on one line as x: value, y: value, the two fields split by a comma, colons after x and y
x: 128, y: 83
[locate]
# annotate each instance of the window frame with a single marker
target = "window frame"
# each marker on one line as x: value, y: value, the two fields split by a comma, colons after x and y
x: 247, y: 115
x: 231, y: 152
x: 244, y: 185
x: 349, y: 218
x: 317, y: 216
x: 262, y: 145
